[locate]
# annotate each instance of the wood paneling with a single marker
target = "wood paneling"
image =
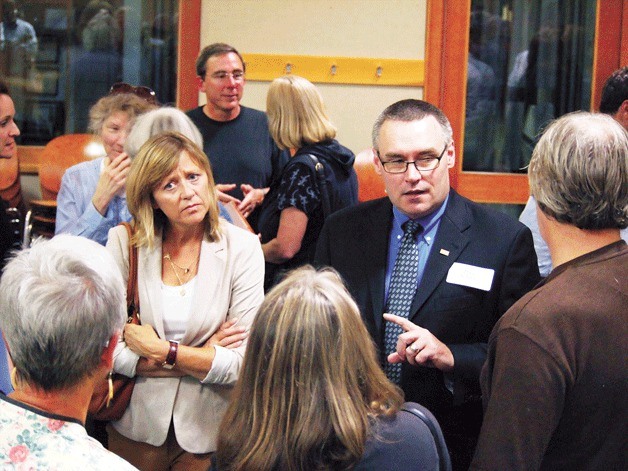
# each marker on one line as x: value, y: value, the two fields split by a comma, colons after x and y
x: 189, y: 47
x: 610, y: 44
x: 623, y: 60
x: 434, y: 51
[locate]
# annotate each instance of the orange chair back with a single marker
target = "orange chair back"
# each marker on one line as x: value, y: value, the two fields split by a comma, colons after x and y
x: 61, y: 153
x: 370, y: 184
x: 10, y: 188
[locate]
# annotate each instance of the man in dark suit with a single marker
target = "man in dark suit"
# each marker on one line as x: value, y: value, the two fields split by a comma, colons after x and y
x: 473, y: 264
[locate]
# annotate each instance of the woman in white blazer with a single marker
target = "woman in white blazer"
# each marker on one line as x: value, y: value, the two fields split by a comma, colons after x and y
x: 194, y: 273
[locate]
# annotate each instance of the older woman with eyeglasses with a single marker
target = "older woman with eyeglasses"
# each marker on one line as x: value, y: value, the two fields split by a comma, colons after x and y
x: 92, y: 198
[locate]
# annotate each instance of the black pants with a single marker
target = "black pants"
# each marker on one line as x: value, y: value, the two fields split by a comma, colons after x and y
x: 461, y: 429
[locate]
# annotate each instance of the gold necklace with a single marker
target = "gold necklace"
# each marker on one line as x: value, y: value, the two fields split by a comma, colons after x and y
x: 186, y: 272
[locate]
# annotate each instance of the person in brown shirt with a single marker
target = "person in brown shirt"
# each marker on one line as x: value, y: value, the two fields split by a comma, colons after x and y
x: 556, y: 377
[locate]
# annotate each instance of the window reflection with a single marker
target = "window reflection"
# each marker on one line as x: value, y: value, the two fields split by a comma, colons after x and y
x: 59, y: 57
x: 529, y: 62
x: 513, y: 210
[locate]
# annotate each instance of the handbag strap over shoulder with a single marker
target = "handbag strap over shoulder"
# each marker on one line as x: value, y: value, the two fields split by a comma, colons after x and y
x: 319, y: 168
x: 132, y: 294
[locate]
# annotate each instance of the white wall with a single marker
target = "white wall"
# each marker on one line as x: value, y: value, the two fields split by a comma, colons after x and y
x: 391, y: 29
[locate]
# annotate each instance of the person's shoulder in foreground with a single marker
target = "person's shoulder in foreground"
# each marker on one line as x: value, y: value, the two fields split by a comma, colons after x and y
x: 398, y: 443
x: 33, y: 439
x: 552, y: 368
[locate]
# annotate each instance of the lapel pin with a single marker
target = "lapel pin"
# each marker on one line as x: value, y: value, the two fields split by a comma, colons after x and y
x: 444, y: 252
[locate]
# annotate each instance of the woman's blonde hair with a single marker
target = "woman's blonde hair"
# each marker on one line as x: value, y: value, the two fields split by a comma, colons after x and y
x: 310, y: 383
x: 127, y: 103
x: 296, y: 113
x: 156, y: 159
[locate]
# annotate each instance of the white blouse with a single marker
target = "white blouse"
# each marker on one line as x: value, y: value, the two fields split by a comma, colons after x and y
x: 177, y: 305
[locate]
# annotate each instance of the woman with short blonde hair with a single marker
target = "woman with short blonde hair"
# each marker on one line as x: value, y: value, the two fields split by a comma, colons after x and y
x: 311, y: 393
x: 128, y: 103
x: 296, y: 113
x: 318, y: 180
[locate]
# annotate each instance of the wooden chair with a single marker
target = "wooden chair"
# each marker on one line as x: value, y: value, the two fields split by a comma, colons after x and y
x: 58, y: 155
x: 370, y: 184
x: 10, y: 189
x: 11, y: 194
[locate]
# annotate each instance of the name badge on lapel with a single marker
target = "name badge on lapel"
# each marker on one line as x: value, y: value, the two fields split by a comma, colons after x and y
x: 471, y: 276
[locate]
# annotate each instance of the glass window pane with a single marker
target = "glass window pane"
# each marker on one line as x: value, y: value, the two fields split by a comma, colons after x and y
x: 59, y: 57
x: 529, y: 61
x: 513, y: 210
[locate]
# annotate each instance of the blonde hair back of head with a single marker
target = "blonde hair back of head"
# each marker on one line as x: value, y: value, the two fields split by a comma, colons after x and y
x: 310, y: 383
x: 296, y: 113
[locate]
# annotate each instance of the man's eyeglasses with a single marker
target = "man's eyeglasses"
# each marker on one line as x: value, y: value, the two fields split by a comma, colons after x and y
x: 426, y: 164
x: 237, y: 75
x: 141, y: 91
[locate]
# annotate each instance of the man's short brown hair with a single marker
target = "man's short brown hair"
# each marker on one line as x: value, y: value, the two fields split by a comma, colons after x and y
x: 216, y: 49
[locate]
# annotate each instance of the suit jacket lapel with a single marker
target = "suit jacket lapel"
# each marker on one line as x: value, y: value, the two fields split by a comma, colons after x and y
x: 449, y: 243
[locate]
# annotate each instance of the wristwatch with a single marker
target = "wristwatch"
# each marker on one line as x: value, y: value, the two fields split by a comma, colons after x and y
x: 171, y: 358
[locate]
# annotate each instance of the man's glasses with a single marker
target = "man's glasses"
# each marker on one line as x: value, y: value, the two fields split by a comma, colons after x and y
x: 237, y: 75
x: 426, y: 164
x: 141, y: 91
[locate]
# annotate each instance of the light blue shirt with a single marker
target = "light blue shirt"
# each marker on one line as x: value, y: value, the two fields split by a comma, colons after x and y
x: 528, y: 217
x: 76, y: 213
x: 425, y: 240
x: 5, y: 374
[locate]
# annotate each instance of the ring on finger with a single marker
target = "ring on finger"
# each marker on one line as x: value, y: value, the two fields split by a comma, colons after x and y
x: 413, y: 349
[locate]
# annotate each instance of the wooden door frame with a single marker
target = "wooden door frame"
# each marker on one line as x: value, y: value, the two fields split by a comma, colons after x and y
x: 187, y: 91
x: 447, y: 45
x: 189, y: 47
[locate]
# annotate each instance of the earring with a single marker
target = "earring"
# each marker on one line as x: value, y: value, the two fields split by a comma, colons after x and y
x: 14, y: 378
x: 110, y: 382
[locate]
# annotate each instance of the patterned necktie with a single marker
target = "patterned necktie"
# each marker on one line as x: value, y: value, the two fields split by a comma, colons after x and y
x: 401, y: 292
